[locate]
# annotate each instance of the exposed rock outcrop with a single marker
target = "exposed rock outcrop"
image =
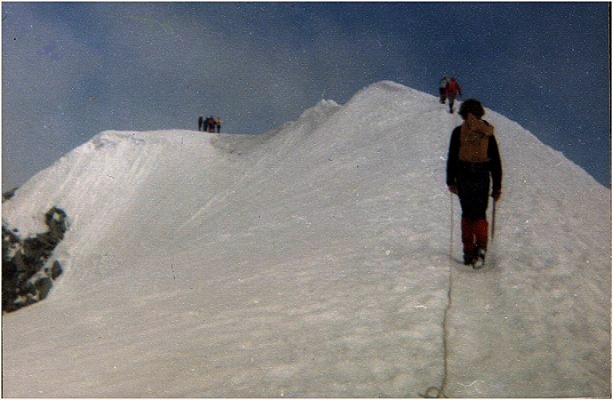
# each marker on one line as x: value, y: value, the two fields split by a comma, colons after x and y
x: 26, y: 276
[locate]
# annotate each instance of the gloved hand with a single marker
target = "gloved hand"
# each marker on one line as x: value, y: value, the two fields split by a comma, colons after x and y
x: 453, y: 189
x: 496, y: 195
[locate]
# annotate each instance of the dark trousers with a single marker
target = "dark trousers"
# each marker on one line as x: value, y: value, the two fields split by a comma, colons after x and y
x: 451, y: 102
x: 442, y: 92
x: 473, y: 189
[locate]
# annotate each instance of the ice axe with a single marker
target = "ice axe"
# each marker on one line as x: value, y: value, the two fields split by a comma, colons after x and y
x: 493, y: 218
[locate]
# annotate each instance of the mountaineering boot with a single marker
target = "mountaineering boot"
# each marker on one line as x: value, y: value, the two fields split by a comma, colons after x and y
x: 469, y: 259
x: 479, y: 261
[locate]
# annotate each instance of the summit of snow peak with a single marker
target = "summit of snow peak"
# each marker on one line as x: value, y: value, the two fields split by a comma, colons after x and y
x: 313, y: 261
x: 387, y: 93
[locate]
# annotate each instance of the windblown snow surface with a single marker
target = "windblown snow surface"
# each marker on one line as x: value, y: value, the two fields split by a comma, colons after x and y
x: 313, y: 261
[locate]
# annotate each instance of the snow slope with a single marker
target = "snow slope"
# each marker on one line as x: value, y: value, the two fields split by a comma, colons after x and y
x: 313, y: 261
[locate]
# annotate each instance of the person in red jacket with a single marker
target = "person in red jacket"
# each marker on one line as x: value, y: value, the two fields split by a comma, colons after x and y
x: 210, y: 123
x: 472, y: 160
x: 453, y: 90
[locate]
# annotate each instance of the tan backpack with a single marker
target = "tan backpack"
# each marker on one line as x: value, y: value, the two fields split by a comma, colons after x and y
x: 474, y: 139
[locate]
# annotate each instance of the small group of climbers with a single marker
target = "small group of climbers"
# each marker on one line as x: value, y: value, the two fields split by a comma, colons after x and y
x: 210, y: 124
x: 449, y: 89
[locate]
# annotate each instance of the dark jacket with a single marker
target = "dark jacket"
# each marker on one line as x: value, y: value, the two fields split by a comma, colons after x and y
x: 494, y: 165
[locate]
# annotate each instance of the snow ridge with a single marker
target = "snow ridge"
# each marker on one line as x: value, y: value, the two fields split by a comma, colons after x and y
x: 313, y: 261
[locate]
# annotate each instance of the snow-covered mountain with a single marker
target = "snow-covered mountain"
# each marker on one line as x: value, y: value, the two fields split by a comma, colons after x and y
x: 313, y: 261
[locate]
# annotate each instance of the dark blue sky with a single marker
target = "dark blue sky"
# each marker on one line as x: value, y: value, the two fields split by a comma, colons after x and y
x: 71, y: 70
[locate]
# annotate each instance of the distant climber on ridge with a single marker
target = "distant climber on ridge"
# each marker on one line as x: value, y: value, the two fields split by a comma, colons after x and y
x: 218, y: 124
x: 442, y: 89
x: 453, y: 89
x: 210, y: 124
x: 474, y: 157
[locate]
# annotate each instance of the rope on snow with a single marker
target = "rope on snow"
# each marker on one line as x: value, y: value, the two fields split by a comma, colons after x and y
x: 434, y: 392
